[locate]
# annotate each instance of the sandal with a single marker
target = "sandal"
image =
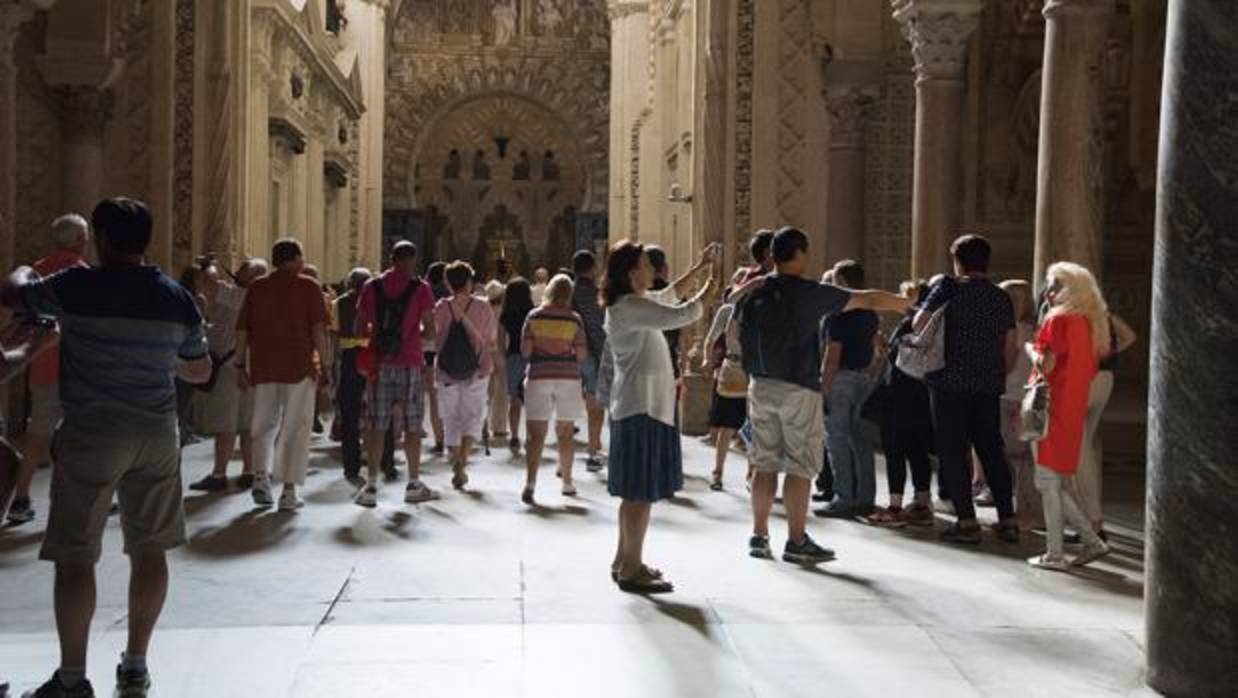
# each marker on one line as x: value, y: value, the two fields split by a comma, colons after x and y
x: 646, y: 583
x: 716, y: 485
x: 653, y: 571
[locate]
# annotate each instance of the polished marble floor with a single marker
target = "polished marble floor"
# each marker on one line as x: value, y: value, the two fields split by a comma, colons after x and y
x: 478, y: 595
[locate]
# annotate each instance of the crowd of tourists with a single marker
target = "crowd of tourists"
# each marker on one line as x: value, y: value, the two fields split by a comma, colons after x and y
x: 1000, y: 388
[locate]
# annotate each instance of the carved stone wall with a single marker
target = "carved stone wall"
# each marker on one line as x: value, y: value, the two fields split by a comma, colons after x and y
x: 445, y: 53
x: 794, y: 92
x: 183, y: 182
x: 744, y: 71
x: 890, y: 154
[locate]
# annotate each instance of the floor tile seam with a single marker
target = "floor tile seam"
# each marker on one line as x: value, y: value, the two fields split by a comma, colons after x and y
x: 734, y: 649
x: 958, y: 668
x: 326, y: 616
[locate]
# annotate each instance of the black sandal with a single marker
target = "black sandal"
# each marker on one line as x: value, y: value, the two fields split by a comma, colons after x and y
x: 645, y: 582
x: 653, y: 571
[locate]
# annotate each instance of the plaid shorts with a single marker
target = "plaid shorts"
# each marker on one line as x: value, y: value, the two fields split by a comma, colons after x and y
x: 394, y: 386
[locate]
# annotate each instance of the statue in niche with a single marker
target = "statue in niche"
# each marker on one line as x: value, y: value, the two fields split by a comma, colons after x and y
x: 458, y: 17
x: 550, y: 168
x: 452, y: 169
x: 552, y: 16
x: 504, y: 14
x: 480, y: 169
x: 520, y: 171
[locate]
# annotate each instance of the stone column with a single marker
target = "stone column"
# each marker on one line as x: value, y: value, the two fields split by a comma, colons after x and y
x: 84, y: 111
x: 629, y: 96
x: 11, y: 18
x: 850, y: 106
x: 1070, y: 176
x: 713, y: 170
x: 939, y: 32
x: 1192, y: 553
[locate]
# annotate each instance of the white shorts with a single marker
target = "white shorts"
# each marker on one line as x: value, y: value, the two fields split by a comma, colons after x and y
x: 562, y: 399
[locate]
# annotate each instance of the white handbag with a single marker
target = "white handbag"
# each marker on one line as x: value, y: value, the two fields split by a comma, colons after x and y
x: 924, y: 352
x: 1034, y: 411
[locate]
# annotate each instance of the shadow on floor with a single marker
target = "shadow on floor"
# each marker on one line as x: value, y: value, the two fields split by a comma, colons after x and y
x: 252, y: 532
x: 12, y: 540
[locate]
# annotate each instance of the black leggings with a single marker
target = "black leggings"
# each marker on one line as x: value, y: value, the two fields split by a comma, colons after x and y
x: 907, y: 443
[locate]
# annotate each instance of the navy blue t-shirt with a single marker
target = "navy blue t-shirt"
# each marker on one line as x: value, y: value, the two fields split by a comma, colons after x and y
x: 123, y: 330
x: 854, y: 330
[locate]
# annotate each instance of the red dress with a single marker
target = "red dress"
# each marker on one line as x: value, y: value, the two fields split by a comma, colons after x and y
x: 1069, y: 337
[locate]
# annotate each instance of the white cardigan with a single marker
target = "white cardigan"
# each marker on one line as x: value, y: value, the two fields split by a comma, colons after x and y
x: 644, y: 378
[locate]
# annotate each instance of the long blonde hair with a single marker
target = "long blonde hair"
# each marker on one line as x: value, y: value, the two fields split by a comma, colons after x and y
x: 1077, y: 292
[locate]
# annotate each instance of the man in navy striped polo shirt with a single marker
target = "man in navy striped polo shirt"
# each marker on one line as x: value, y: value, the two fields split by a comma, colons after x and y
x: 126, y: 331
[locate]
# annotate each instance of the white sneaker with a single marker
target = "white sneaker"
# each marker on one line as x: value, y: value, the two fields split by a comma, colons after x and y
x: 1049, y: 562
x: 261, y: 491
x: 569, y: 490
x: 288, y: 499
x: 367, y: 497
x: 417, y: 492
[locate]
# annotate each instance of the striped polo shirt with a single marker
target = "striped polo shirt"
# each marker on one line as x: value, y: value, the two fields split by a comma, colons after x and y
x: 123, y: 330
x: 554, y: 335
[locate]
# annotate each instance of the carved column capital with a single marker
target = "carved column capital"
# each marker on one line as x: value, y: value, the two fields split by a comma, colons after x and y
x: 849, y: 107
x: 939, y: 31
x: 620, y: 9
x: 83, y: 109
x: 1098, y: 8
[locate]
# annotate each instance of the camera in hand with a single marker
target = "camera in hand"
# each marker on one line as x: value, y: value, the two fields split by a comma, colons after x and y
x: 46, y: 322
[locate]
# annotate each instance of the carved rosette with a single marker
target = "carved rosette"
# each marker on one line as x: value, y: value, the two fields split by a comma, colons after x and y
x: 939, y: 32
x: 849, y: 107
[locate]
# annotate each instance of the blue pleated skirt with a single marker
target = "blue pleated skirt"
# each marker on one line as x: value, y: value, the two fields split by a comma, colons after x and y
x: 645, y: 463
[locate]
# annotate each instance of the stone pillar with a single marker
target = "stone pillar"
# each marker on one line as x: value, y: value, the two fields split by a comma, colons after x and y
x: 367, y: 31
x: 1070, y: 178
x: 713, y: 170
x: 1192, y: 553
x: 629, y: 97
x: 79, y: 67
x: 850, y: 106
x: 939, y: 32
x: 84, y: 111
x: 11, y: 18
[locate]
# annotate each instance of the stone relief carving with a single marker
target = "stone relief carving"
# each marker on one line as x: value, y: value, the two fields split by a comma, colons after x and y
x: 182, y: 168
x: 794, y: 53
x: 503, y: 23
x: 744, y: 67
x: 428, y: 79
x: 849, y: 109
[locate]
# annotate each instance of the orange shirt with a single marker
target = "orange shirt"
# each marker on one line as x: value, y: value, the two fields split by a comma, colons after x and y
x: 45, y: 368
x: 278, y: 316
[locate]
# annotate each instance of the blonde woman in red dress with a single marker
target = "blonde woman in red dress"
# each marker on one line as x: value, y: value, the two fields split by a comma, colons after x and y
x: 1075, y: 332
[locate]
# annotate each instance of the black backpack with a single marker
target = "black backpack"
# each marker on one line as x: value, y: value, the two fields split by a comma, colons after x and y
x: 768, y: 333
x: 389, y: 318
x: 458, y: 359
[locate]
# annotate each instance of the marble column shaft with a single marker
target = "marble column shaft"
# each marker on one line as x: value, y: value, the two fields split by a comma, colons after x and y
x: 1191, y: 595
x: 849, y: 107
x: 939, y: 32
x: 1070, y: 175
x: 84, y: 111
x: 11, y: 18
x: 713, y: 171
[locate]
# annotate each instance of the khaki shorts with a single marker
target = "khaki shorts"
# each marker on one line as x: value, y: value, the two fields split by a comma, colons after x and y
x: 45, y: 410
x: 142, y: 470
x: 788, y: 428
x: 225, y: 408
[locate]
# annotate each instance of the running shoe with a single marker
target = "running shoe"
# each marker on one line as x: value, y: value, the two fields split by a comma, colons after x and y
x: 367, y: 497
x: 806, y: 553
x: 417, y: 492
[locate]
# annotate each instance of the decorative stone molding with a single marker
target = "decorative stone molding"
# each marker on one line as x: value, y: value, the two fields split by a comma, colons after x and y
x: 745, y: 44
x: 849, y: 107
x: 285, y: 131
x: 939, y: 32
x: 335, y: 171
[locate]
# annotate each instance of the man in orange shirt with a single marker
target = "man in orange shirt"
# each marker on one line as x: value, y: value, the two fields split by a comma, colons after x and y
x: 282, y: 323
x: 70, y: 234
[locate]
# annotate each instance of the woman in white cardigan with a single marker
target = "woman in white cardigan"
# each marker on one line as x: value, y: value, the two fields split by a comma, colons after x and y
x: 645, y: 463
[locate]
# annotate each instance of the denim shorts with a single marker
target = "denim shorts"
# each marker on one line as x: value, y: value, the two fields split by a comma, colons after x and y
x: 589, y: 376
x: 516, y: 365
